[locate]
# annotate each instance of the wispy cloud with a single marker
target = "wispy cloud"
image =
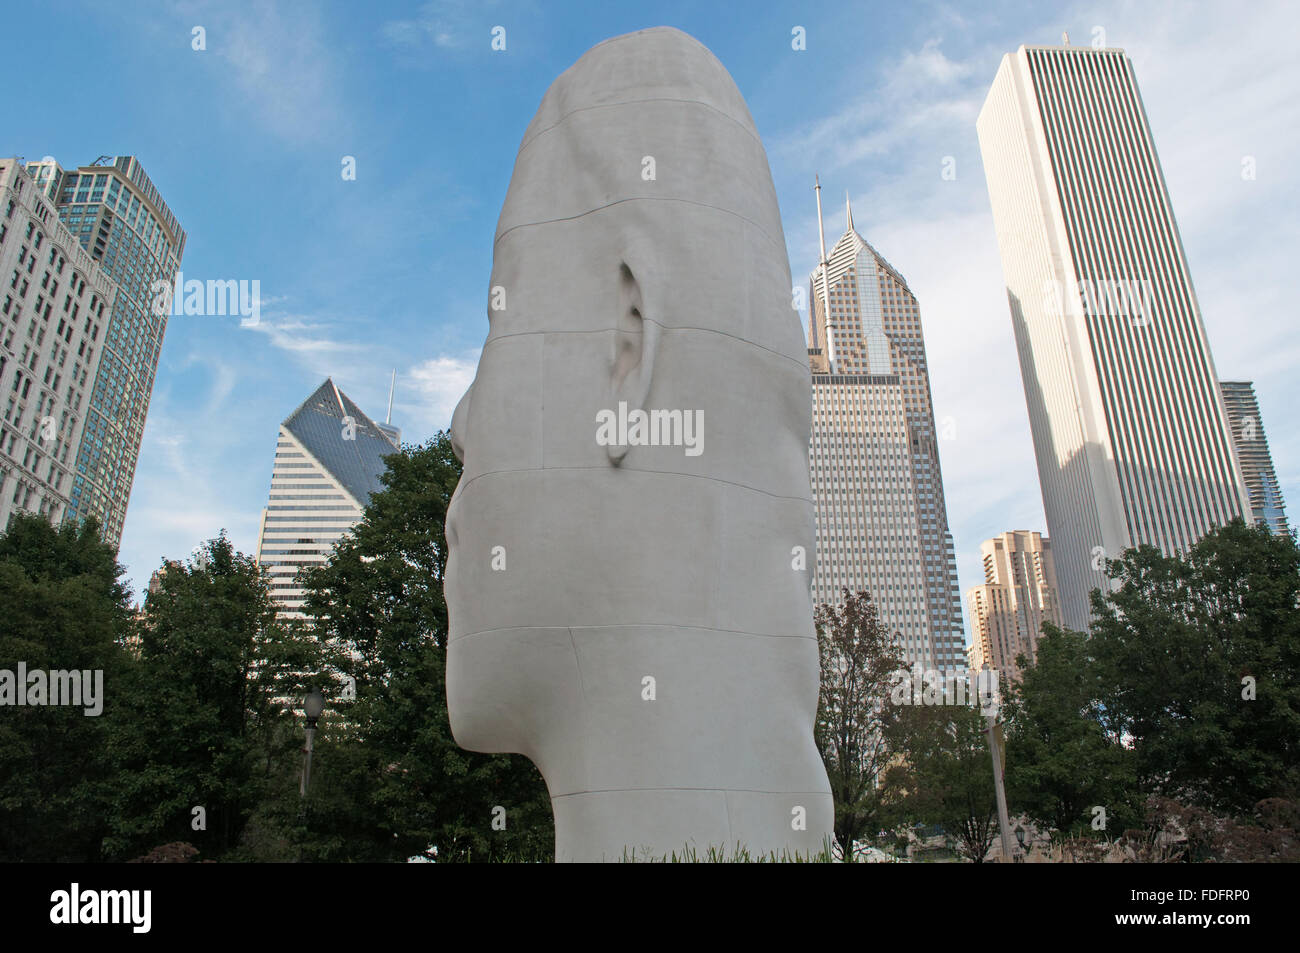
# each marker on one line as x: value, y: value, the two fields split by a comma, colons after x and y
x: 281, y: 64
x: 907, y: 101
x: 439, y: 384
x: 313, y: 343
x: 179, y: 499
x: 439, y: 26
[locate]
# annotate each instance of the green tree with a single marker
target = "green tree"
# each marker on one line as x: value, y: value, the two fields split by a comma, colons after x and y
x: 943, y: 775
x: 65, y: 608
x: 1199, y: 664
x: 400, y: 783
x: 859, y: 657
x: 1062, y: 763
x: 207, y: 714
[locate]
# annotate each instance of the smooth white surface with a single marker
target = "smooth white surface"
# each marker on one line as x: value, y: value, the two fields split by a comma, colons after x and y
x: 622, y: 564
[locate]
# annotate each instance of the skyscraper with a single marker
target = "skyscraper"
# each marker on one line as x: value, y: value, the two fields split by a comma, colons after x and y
x: 329, y: 457
x: 57, y: 304
x: 1266, y: 506
x: 882, y: 523
x: 1018, y: 595
x: 1129, y: 428
x: 121, y: 220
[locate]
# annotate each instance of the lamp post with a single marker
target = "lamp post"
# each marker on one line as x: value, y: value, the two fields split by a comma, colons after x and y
x: 990, y: 704
x: 1020, y: 837
x: 312, y: 706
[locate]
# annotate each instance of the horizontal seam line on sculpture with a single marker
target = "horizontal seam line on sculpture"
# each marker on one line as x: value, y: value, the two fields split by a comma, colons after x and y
x: 694, y: 476
x: 633, y: 198
x: 803, y: 365
x: 631, y: 625
x: 631, y: 102
x: 712, y: 790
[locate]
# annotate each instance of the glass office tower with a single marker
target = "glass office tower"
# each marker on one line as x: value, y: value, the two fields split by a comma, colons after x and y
x: 121, y: 220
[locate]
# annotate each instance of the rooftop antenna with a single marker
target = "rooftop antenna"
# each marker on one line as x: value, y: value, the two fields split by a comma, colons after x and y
x: 1065, y: 39
x: 826, y: 294
x: 848, y: 209
x: 391, y: 384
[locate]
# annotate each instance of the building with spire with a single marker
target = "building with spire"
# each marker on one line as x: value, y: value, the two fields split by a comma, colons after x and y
x: 329, y: 458
x: 882, y: 523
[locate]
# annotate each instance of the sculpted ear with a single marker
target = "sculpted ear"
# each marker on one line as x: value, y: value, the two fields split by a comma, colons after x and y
x: 635, y: 342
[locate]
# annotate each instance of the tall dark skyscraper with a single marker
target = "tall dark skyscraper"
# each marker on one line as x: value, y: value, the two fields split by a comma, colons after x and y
x: 121, y: 220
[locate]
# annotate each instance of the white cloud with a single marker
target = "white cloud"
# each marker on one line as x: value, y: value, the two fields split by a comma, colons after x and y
x: 440, y: 382
x: 930, y: 63
x: 280, y: 63
x: 442, y: 25
x: 309, y: 342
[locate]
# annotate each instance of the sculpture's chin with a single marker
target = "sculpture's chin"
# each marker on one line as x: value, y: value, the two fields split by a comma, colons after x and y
x: 511, y: 690
x: 651, y: 739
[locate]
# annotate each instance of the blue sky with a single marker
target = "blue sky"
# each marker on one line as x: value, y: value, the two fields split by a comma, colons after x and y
x: 245, y: 141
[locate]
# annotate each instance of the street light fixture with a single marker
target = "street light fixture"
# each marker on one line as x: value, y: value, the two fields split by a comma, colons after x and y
x: 313, y: 706
x: 1020, y: 836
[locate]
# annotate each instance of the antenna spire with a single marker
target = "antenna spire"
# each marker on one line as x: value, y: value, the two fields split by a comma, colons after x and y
x: 826, y: 294
x: 848, y: 209
x: 391, y: 384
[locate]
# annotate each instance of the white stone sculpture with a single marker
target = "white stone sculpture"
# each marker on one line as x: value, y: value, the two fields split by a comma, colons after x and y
x: 631, y: 541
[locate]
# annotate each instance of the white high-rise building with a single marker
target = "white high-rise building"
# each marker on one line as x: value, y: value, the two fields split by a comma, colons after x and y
x: 882, y: 524
x: 57, y: 305
x: 1128, y: 423
x: 328, y: 460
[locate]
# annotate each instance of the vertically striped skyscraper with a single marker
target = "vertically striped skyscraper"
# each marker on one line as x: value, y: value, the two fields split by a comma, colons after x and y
x: 1128, y: 424
x: 328, y: 460
x: 882, y: 523
x: 1266, y: 506
x: 121, y: 220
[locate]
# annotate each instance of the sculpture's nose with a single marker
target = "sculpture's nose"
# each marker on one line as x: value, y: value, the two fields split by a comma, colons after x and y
x: 459, y: 421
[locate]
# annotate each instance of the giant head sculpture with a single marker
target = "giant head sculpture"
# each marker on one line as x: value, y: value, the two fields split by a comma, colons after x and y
x: 631, y: 540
